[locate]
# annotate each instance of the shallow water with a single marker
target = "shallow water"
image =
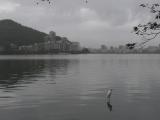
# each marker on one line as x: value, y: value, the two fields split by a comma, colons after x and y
x: 72, y: 87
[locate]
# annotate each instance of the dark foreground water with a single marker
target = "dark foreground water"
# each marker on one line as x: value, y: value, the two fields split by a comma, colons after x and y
x: 72, y: 87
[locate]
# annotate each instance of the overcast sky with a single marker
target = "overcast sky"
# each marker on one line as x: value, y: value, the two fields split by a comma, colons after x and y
x: 99, y: 22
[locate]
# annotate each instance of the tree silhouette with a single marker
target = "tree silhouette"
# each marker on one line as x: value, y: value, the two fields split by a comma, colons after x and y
x: 150, y: 30
x: 51, y: 1
x: 47, y: 1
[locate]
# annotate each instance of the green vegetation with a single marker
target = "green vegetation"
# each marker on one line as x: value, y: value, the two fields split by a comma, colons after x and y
x: 18, y: 39
x: 17, y: 34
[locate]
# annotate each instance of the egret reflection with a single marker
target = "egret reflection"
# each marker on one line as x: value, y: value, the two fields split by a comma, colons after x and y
x: 109, y: 105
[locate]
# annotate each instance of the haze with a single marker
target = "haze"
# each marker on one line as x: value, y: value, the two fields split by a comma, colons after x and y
x: 98, y: 22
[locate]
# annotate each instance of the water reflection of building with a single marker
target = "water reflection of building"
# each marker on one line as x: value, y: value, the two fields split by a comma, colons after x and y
x: 16, y: 72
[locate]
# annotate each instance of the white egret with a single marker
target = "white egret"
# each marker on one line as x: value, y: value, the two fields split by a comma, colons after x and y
x: 108, y: 95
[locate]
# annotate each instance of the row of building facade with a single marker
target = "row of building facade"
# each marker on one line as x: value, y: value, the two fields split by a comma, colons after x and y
x: 122, y: 49
x: 52, y: 44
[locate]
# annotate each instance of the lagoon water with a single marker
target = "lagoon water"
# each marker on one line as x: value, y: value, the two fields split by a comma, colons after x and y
x: 72, y: 87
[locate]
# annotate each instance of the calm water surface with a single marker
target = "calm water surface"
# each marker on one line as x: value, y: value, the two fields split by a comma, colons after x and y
x: 72, y: 87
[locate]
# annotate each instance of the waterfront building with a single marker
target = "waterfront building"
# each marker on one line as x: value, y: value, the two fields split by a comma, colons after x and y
x: 51, y: 44
x: 75, y: 47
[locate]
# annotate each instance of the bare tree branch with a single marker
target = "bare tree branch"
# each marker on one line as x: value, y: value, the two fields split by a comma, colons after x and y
x: 150, y: 30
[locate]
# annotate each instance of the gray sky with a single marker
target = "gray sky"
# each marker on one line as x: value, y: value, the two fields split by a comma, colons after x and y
x: 99, y: 22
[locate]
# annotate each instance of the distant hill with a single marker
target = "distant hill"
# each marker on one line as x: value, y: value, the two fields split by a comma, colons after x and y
x: 12, y: 32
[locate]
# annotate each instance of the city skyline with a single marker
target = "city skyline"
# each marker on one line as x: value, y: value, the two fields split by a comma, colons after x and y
x: 92, y: 24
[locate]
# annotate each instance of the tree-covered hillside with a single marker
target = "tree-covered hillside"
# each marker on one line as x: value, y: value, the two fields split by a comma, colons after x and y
x: 15, y: 33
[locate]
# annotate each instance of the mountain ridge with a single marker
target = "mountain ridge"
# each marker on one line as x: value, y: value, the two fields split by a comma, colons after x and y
x: 12, y: 32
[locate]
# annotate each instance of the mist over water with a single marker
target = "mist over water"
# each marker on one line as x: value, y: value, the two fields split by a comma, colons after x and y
x: 72, y: 87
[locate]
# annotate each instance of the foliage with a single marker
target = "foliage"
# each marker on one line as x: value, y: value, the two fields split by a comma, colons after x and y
x: 85, y: 50
x: 47, y: 1
x: 151, y: 29
x: 14, y: 33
